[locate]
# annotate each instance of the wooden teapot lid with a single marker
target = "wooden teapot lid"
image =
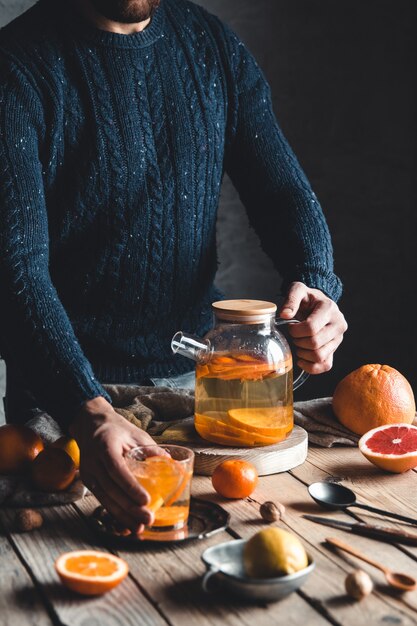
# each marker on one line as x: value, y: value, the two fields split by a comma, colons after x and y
x: 243, y: 310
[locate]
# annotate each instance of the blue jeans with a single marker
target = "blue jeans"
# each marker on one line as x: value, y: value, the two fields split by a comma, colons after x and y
x: 182, y: 381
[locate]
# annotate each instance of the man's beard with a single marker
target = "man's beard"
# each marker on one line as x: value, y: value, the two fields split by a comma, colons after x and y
x: 126, y: 11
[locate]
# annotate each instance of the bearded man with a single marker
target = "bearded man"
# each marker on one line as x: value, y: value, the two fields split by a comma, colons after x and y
x: 118, y: 121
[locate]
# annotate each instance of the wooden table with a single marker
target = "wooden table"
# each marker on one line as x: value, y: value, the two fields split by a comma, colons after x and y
x: 164, y: 583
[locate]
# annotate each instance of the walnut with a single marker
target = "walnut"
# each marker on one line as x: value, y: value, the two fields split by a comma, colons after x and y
x: 27, y: 519
x: 271, y: 512
x: 358, y: 584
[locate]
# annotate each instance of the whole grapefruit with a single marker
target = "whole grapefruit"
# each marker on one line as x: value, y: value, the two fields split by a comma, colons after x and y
x: 372, y: 396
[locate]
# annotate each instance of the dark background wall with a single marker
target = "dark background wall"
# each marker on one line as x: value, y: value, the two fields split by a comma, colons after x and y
x: 343, y: 77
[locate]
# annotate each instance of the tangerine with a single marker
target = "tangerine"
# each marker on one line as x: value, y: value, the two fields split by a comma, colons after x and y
x: 90, y: 572
x: 53, y: 470
x: 235, y: 478
x: 19, y: 445
x: 372, y: 396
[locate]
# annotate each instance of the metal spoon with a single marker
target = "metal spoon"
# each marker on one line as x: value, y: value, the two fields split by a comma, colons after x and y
x: 395, y: 579
x: 334, y: 496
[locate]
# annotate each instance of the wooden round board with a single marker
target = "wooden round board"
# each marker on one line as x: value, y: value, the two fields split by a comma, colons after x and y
x: 280, y: 457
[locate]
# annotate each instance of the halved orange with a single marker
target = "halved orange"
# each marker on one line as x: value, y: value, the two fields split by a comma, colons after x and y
x: 268, y: 421
x: 90, y: 572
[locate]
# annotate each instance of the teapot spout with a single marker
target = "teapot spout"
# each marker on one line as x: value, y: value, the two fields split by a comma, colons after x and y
x: 191, y: 346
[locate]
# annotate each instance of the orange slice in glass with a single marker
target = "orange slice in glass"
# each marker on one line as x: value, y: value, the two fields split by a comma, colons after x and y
x: 163, y: 478
x: 170, y: 516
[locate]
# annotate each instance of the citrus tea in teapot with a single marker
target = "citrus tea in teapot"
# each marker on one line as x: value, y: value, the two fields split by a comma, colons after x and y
x: 244, y: 375
x: 243, y: 400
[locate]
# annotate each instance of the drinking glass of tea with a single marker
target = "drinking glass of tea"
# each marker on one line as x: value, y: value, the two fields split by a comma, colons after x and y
x: 165, y: 472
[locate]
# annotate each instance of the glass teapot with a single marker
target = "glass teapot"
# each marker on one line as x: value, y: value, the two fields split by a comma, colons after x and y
x: 244, y: 375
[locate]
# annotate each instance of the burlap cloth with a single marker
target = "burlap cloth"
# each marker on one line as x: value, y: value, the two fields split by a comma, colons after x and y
x: 154, y: 409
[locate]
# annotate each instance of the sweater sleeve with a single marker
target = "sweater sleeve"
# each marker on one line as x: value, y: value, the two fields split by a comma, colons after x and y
x: 281, y: 206
x: 35, y: 331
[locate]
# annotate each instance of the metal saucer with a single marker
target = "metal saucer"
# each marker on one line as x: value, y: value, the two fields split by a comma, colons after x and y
x: 224, y: 564
x: 205, y: 519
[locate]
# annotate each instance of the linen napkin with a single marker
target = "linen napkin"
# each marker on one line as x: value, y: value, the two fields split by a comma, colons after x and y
x: 154, y: 409
x: 317, y: 418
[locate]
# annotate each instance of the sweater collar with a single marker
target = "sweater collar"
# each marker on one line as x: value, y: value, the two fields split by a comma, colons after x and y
x: 74, y: 22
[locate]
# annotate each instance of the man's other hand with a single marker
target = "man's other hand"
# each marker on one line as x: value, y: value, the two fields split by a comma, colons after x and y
x: 320, y: 331
x: 104, y: 437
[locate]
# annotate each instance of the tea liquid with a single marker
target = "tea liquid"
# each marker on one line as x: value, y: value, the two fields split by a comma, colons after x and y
x: 168, y: 485
x: 242, y: 400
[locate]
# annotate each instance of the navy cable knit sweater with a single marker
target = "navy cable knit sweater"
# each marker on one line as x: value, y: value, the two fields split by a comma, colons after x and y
x: 112, y: 152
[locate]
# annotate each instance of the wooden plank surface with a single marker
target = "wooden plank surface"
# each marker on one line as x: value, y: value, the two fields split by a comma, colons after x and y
x: 164, y: 586
x: 325, y: 587
x: 172, y: 577
x: 19, y: 600
x: 394, y: 492
x: 63, y: 530
x: 389, y: 491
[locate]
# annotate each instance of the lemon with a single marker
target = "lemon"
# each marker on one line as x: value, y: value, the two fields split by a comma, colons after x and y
x: 273, y: 552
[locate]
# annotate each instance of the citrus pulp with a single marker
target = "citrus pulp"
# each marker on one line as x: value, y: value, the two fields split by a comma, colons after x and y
x: 391, y: 447
x: 90, y: 572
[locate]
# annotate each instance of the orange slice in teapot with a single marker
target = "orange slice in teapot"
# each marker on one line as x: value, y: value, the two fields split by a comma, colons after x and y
x: 238, y: 366
x: 267, y: 421
x: 227, y: 434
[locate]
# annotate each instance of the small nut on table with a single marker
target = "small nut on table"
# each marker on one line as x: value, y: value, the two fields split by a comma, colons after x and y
x: 358, y: 584
x: 27, y: 519
x: 271, y: 512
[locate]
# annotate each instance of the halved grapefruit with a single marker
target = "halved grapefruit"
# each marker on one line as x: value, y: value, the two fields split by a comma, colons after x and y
x: 392, y: 447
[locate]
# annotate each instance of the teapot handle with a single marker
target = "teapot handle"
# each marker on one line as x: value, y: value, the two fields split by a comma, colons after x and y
x: 304, y: 375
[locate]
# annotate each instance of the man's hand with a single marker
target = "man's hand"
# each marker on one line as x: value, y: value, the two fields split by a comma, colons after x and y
x: 104, y: 437
x: 321, y: 331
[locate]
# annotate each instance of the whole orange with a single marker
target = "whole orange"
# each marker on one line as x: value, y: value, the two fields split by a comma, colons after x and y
x: 70, y: 446
x: 235, y: 478
x: 372, y: 396
x: 53, y: 470
x: 19, y: 445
